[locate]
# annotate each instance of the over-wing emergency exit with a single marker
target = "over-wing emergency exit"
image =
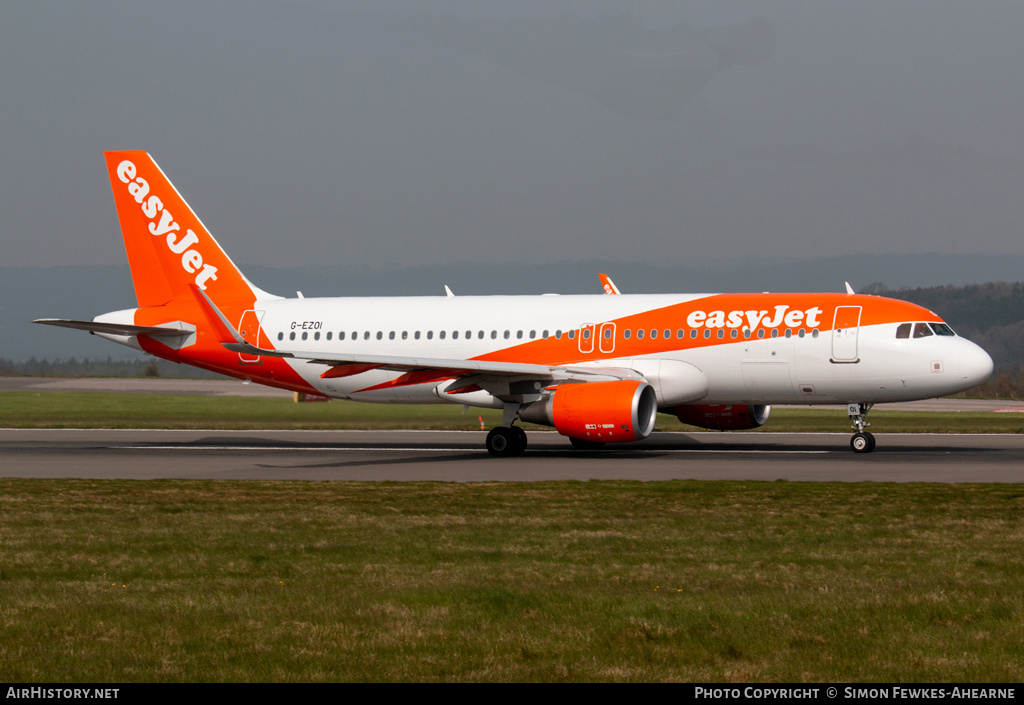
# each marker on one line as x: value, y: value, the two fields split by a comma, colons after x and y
x: 597, y: 368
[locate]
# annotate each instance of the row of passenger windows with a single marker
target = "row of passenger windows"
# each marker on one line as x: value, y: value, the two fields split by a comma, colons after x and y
x: 416, y: 335
x: 606, y: 333
x: 922, y: 330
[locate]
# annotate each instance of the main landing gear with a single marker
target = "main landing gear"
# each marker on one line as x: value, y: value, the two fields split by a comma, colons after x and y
x: 862, y: 441
x: 506, y: 441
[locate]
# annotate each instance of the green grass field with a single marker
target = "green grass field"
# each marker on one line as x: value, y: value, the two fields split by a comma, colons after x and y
x: 103, y: 410
x: 596, y: 581
x: 560, y: 581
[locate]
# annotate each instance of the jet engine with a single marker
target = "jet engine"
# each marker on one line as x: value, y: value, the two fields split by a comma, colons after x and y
x: 721, y: 417
x: 602, y: 412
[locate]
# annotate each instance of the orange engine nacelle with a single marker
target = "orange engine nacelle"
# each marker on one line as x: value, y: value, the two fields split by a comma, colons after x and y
x: 721, y: 417
x: 603, y: 412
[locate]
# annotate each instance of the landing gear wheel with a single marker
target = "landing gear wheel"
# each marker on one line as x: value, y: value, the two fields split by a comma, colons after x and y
x: 581, y: 444
x: 862, y: 442
x: 520, y: 437
x: 505, y: 442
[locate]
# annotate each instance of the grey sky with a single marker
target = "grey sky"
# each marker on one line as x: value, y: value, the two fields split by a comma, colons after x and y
x: 386, y: 133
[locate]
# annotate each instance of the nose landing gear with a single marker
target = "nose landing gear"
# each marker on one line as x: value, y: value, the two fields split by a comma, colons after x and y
x: 862, y: 441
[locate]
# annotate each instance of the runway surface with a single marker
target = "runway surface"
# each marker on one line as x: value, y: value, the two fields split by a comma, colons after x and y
x: 454, y: 456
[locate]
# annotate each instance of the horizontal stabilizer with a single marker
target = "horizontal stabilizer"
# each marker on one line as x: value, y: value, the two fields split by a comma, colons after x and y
x: 117, y: 328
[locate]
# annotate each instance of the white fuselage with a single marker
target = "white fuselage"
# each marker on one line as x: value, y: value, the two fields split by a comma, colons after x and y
x: 808, y: 366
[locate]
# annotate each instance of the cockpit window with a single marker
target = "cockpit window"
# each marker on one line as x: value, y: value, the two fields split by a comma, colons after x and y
x: 923, y: 330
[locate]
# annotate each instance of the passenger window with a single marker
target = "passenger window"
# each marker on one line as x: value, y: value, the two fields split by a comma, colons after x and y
x: 291, y: 336
x: 416, y: 335
x: 441, y: 335
x: 607, y: 333
x: 366, y: 335
x: 519, y: 335
x: 760, y: 332
x: 430, y: 335
x: 668, y: 333
x: 921, y: 330
x: 280, y: 336
x: 341, y: 335
x: 391, y: 335
x: 533, y: 334
x: 305, y: 335
x: 316, y: 336
x: 734, y: 333
x: 654, y: 334
x: 455, y: 335
x: 558, y: 335
x: 405, y: 335
x: 506, y: 335
x: 680, y: 334
x: 494, y: 335
x: 639, y: 333
x: 380, y: 335
x: 721, y: 333
x: 586, y: 334
x: 903, y: 331
x: 626, y: 334
x: 693, y: 332
x: 572, y: 335
x: 329, y: 334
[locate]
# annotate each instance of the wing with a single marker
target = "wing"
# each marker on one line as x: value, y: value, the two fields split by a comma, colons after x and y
x: 496, y: 377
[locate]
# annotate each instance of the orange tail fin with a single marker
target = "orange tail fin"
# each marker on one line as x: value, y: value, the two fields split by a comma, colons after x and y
x: 168, y: 247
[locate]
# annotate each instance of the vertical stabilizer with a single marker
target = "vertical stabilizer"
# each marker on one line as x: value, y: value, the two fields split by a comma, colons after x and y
x: 168, y: 247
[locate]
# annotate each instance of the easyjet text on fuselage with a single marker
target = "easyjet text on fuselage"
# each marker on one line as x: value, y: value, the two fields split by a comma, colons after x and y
x: 782, y: 315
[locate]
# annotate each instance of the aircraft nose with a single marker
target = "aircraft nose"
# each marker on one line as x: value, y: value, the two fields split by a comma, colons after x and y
x: 975, y: 365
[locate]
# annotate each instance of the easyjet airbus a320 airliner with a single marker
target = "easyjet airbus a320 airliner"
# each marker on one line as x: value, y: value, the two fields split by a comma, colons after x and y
x: 596, y: 368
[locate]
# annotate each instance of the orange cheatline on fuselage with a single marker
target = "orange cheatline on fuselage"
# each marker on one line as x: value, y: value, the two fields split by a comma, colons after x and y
x: 718, y: 312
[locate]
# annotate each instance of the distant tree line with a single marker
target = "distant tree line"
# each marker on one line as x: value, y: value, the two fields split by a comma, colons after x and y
x: 992, y: 315
x: 86, y: 367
